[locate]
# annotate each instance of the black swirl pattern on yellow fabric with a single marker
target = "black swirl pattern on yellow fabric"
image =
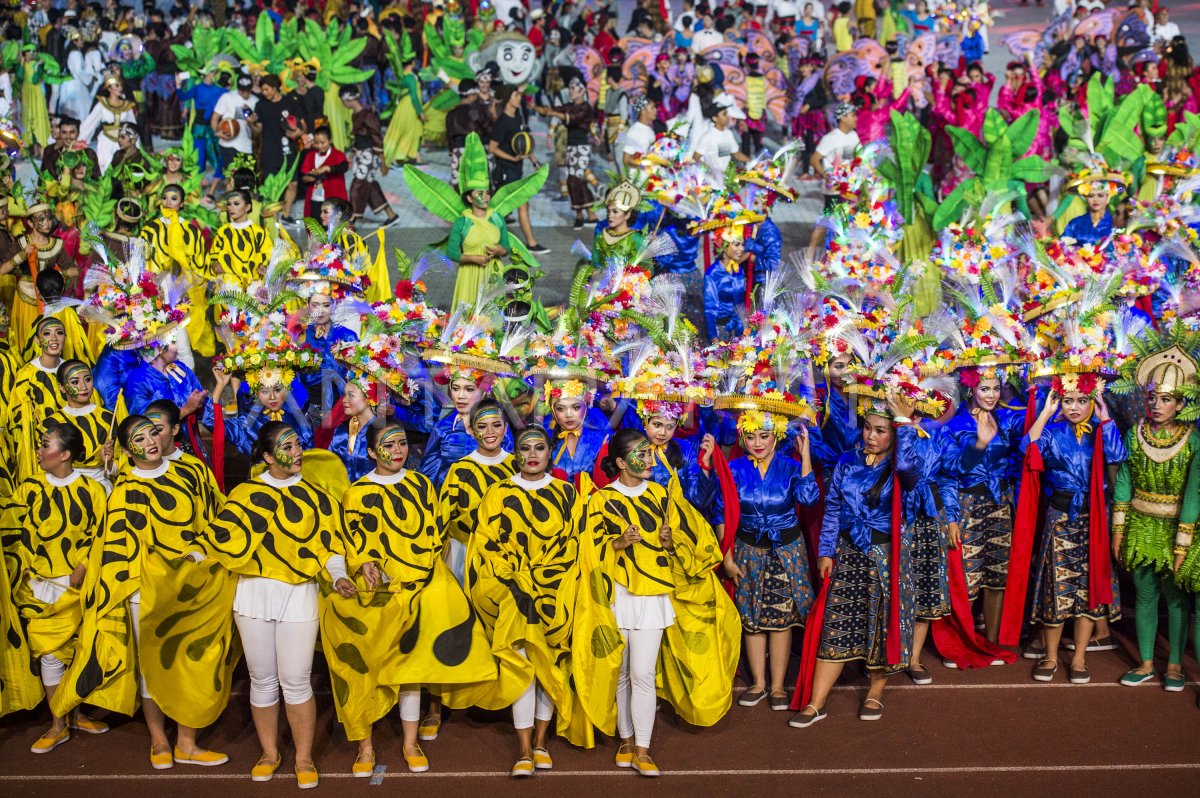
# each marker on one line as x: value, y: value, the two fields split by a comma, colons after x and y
x: 190, y: 259
x: 53, y: 526
x: 186, y: 650
x: 34, y: 397
x: 466, y: 482
x: 280, y: 533
x: 96, y: 426
x: 418, y: 628
x: 645, y: 567
x: 240, y: 253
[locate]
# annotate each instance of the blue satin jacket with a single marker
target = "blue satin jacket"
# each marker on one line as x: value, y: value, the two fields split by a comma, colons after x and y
x: 683, y: 259
x: 847, y: 509
x: 146, y: 384
x: 996, y: 464
x: 587, y: 449
x: 1084, y: 232
x: 312, y: 380
x: 242, y: 430
x: 767, y: 249
x: 699, y: 487
x: 839, y: 431
x: 110, y: 371
x: 448, y: 442
x: 1068, y: 461
x: 768, y: 503
x: 358, y: 463
x: 936, y: 489
x: 724, y: 293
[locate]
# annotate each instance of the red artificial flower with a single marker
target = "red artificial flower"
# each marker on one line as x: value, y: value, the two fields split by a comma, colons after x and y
x: 1086, y: 383
x: 404, y: 289
x: 969, y: 377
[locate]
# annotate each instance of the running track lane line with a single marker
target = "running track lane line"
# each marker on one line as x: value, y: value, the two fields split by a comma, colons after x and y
x: 915, y: 771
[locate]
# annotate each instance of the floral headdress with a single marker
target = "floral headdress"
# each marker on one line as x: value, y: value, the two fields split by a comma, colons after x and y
x: 662, y: 383
x: 408, y: 316
x: 1087, y: 339
x: 475, y: 342
x: 771, y: 172
x: 756, y: 373
x: 991, y: 336
x: 567, y: 366
x: 1098, y: 175
x: 140, y: 308
x: 377, y: 364
x: 328, y: 268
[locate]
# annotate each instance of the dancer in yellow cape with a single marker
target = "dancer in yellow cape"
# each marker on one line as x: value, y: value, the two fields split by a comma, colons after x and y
x: 55, y: 515
x: 175, y: 246
x: 94, y: 422
x: 410, y: 624
x: 656, y: 554
x: 33, y: 398
x: 522, y: 580
x: 180, y: 612
x: 277, y: 532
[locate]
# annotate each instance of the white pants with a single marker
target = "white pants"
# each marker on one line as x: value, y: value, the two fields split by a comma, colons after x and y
x: 533, y: 703
x: 410, y: 705
x: 135, y: 615
x: 53, y: 669
x: 279, y: 655
x: 456, y: 559
x: 636, y: 700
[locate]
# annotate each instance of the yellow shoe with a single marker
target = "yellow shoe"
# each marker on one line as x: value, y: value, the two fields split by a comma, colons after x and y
x: 418, y: 762
x: 200, y: 757
x: 645, y: 766
x: 264, y: 770
x: 624, y: 758
x: 428, y: 730
x: 306, y: 776
x: 363, y: 766
x: 162, y: 760
x: 83, y: 723
x: 523, y: 768
x: 542, y: 760
x: 51, y: 740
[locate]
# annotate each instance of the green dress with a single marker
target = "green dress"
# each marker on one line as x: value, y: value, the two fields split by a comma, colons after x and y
x: 472, y: 235
x: 607, y: 246
x: 1157, y: 490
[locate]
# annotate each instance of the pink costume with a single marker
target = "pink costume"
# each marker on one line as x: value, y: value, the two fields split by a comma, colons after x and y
x: 872, y: 124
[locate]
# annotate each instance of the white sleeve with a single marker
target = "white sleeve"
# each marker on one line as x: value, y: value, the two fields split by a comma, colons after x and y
x: 87, y: 127
x: 75, y: 66
x: 223, y: 107
x: 336, y: 568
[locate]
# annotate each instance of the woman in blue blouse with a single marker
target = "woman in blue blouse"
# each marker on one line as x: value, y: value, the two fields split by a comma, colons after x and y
x: 858, y: 536
x: 839, y: 426
x: 983, y: 446
x: 1065, y: 560
x: 350, y: 439
x: 273, y: 401
x: 451, y: 438
x: 684, y: 458
x: 768, y: 562
x: 575, y: 445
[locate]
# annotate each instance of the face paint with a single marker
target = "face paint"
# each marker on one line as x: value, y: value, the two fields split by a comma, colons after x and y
x: 392, y: 434
x: 281, y: 456
x: 637, y: 458
x: 70, y: 390
x: 135, y: 449
x: 532, y: 432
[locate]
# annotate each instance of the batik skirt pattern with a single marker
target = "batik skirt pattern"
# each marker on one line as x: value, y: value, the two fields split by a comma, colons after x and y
x: 986, y: 540
x: 776, y: 592
x: 1061, y: 580
x: 579, y: 161
x: 931, y: 586
x: 859, y: 603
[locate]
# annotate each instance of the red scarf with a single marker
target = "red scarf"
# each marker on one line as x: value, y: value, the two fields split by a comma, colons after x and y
x: 218, y: 450
x: 1024, y: 529
x: 1099, y: 560
x: 954, y: 635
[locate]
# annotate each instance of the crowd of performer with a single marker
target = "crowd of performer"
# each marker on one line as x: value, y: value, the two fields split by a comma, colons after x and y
x: 957, y: 417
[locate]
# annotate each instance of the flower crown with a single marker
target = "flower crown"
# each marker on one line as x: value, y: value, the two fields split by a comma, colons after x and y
x: 139, y: 308
x: 267, y: 354
x: 376, y: 361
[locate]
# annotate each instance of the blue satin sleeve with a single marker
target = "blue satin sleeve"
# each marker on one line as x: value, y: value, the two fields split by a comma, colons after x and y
x: 110, y: 371
x: 839, y: 434
x: 723, y: 294
x: 722, y: 426
x: 1068, y: 461
x: 687, y: 247
x: 767, y: 249
x: 141, y: 388
x: 851, y: 511
x: 358, y: 463
x: 831, y: 523
x: 699, y: 487
x: 242, y: 430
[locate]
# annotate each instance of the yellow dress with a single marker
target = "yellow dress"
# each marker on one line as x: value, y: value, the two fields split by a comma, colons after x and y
x: 241, y: 251
x: 402, y: 139
x: 186, y: 650
x: 477, y: 235
x: 523, y: 581
x: 700, y: 649
x: 27, y: 307
x: 175, y: 246
x: 77, y: 346
x: 51, y: 526
x: 415, y: 629
x: 97, y: 424
x: 34, y: 397
x: 462, y: 491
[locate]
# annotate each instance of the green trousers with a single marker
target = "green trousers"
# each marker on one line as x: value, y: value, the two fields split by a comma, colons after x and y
x: 1149, y: 585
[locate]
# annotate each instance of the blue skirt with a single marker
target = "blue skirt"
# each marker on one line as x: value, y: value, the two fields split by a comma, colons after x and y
x: 1061, y: 583
x: 776, y: 592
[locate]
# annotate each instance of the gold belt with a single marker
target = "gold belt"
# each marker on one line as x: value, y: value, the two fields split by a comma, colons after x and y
x: 1155, y: 505
x: 111, y: 130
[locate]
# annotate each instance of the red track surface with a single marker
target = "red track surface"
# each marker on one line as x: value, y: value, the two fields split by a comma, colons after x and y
x: 977, y: 734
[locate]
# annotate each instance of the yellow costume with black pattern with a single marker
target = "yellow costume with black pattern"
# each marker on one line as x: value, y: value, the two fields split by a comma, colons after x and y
x: 49, y: 530
x: 417, y: 628
x: 240, y: 252
x: 97, y: 425
x: 76, y: 346
x: 462, y: 491
x: 286, y: 534
x: 186, y: 649
x: 700, y: 650
x: 174, y: 245
x: 34, y: 397
x: 523, y: 581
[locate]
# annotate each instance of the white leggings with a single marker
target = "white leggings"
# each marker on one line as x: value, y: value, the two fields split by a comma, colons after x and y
x: 636, y: 700
x: 279, y: 654
x: 410, y: 705
x: 53, y: 669
x: 533, y: 703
